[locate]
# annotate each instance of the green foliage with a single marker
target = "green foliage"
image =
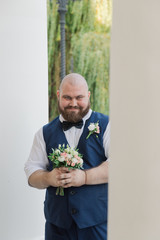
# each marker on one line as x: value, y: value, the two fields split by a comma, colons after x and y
x: 91, y: 59
x: 53, y: 55
x: 88, y: 25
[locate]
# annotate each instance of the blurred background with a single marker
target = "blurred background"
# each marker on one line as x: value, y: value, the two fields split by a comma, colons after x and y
x: 87, y: 40
x: 134, y: 193
x: 29, y: 55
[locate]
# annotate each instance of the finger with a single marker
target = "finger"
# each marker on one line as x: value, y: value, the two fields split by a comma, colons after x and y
x: 65, y: 176
x: 64, y: 182
x: 67, y: 185
x: 64, y: 169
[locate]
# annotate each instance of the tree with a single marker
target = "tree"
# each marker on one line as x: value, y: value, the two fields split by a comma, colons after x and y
x: 88, y: 25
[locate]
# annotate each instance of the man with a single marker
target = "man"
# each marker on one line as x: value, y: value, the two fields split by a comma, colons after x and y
x: 81, y: 214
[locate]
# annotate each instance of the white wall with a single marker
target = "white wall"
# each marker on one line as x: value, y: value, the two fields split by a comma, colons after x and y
x: 24, y: 109
x: 134, y: 194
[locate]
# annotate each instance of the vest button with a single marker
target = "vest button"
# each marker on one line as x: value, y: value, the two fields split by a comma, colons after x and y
x: 73, y: 211
x: 72, y: 192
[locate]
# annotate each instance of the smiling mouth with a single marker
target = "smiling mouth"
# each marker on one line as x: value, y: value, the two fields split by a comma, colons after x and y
x: 72, y: 108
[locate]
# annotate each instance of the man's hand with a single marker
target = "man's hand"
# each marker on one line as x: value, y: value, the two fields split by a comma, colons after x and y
x: 70, y: 178
x: 76, y: 177
x: 63, y: 177
x: 58, y: 177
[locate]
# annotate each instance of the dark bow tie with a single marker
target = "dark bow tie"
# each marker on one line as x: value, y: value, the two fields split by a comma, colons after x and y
x: 68, y: 125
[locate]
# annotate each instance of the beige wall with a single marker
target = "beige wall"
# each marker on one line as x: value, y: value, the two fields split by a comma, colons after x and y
x: 134, y: 192
x: 23, y: 110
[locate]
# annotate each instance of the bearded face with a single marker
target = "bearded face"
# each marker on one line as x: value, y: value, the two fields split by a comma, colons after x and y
x: 73, y: 98
x: 73, y: 113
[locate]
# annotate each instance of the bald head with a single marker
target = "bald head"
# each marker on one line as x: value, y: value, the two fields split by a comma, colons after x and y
x: 73, y: 97
x: 74, y: 79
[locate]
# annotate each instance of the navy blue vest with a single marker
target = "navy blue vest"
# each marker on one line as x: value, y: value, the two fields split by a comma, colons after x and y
x: 87, y: 204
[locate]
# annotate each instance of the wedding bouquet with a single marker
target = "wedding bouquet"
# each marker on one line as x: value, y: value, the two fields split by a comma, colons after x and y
x: 65, y: 157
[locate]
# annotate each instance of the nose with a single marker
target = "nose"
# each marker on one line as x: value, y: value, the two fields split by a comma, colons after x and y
x: 73, y: 102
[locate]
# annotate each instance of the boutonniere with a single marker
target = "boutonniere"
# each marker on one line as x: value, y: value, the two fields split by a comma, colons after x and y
x: 93, y: 128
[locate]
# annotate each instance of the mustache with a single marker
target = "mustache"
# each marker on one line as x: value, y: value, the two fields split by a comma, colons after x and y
x: 70, y: 107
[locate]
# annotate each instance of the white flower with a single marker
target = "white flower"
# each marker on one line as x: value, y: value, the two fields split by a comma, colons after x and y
x: 75, y: 153
x: 67, y: 150
x: 91, y: 127
x: 61, y: 159
x: 69, y: 156
x: 74, y: 160
x: 81, y: 161
x: 57, y: 151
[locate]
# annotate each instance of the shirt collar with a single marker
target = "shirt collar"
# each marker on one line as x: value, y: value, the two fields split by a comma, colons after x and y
x: 61, y: 118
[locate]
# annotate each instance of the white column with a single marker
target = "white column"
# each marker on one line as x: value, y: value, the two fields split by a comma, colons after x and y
x: 23, y: 110
x: 134, y: 190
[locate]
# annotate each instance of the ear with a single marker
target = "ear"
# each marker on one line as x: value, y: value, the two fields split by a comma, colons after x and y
x: 58, y: 94
x: 89, y: 93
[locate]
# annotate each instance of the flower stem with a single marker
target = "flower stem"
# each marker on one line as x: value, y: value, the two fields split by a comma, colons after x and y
x: 57, y: 191
x: 88, y: 135
x: 61, y: 191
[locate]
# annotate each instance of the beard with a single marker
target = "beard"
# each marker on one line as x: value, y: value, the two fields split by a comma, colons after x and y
x: 73, y: 116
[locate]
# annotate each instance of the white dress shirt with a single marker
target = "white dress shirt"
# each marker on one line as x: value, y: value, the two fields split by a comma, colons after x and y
x: 38, y: 159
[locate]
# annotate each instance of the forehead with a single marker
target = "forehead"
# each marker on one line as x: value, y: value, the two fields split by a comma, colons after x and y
x: 73, y: 89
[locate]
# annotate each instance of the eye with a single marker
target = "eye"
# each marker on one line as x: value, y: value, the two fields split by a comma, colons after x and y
x: 67, y: 97
x: 79, y: 97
